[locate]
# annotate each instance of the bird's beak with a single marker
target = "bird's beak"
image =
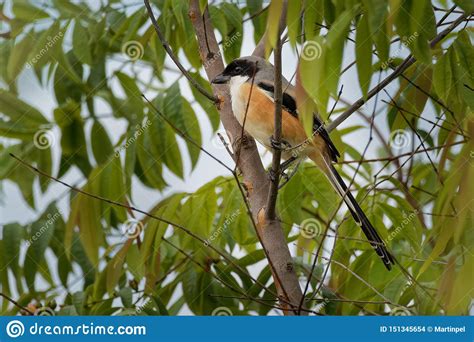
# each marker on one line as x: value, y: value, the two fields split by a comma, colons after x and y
x: 221, y: 79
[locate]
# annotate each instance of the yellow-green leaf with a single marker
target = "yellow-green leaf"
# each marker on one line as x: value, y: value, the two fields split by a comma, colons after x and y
x: 363, y: 51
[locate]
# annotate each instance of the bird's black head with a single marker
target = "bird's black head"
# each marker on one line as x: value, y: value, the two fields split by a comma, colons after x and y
x: 238, y: 67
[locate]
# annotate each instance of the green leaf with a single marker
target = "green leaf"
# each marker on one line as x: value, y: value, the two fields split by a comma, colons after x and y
x: 401, y: 12
x: 363, y: 53
x: 164, y: 145
x: 293, y: 21
x: 154, y: 232
x: 68, y: 66
x: 198, y: 213
x: 79, y: 256
x: 313, y: 17
x: 25, y: 11
x: 115, y: 267
x: 415, y: 89
x: 148, y: 169
x: 38, y: 240
x: 126, y: 295
x: 100, y: 142
x: 274, y: 14
x: 377, y: 17
x: 112, y: 187
x: 313, y: 73
x: 232, y: 41
x: 202, y: 5
x: 17, y: 110
x: 443, y: 76
x: 45, y: 163
x: 67, y: 85
x: 193, y: 130
x: 10, y: 129
x: 423, y: 27
x: 259, y: 21
x: 19, y: 56
x: 12, y: 235
x: 68, y: 9
x: 133, y: 93
x: 335, y: 45
x: 134, y: 263
x: 79, y: 301
x: 90, y: 227
x: 81, y: 43
x: 208, y: 106
x: 218, y: 20
x: 45, y: 46
x: 466, y: 5
x: 179, y: 7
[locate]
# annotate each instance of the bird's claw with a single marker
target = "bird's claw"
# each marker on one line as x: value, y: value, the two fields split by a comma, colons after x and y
x: 279, y: 145
x: 272, y: 175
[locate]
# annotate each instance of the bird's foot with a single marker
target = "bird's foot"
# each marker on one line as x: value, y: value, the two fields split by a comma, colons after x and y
x: 287, y: 177
x: 272, y: 175
x: 279, y: 145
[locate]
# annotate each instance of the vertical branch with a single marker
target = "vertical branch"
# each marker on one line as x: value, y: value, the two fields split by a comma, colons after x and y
x: 254, y: 176
x: 275, y: 171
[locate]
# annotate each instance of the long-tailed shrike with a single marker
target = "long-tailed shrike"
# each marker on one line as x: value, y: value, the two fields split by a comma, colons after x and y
x: 257, y: 116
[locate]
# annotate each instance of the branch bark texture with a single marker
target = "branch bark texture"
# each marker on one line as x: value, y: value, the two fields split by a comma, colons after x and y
x: 255, y: 178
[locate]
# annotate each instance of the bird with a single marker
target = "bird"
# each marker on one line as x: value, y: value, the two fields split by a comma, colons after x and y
x: 252, y: 91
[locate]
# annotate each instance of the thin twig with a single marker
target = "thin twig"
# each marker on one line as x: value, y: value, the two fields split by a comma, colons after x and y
x: 175, y: 58
x: 400, y: 69
x: 401, y: 155
x: 18, y: 305
x: 180, y: 227
x: 184, y: 135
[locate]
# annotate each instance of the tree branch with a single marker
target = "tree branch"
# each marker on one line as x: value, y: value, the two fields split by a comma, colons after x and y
x: 254, y: 176
x: 275, y: 172
x: 147, y: 214
x: 174, y: 57
x: 18, y: 305
x: 397, y: 72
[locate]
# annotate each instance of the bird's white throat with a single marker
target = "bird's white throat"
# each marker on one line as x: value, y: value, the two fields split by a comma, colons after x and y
x: 238, y: 102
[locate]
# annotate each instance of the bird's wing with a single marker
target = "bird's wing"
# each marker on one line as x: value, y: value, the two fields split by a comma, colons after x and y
x: 289, y: 104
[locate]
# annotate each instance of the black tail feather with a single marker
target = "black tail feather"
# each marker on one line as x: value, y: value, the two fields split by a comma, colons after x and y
x: 362, y: 220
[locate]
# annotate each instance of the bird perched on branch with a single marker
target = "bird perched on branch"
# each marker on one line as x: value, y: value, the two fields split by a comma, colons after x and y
x: 251, y: 83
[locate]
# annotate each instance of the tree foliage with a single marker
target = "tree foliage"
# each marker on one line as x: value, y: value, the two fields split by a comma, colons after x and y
x: 96, y: 257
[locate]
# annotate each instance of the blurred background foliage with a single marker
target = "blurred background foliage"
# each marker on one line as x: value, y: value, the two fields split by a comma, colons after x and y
x: 106, y: 54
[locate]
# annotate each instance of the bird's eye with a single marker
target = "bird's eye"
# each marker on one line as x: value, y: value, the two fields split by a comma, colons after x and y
x: 238, y: 70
